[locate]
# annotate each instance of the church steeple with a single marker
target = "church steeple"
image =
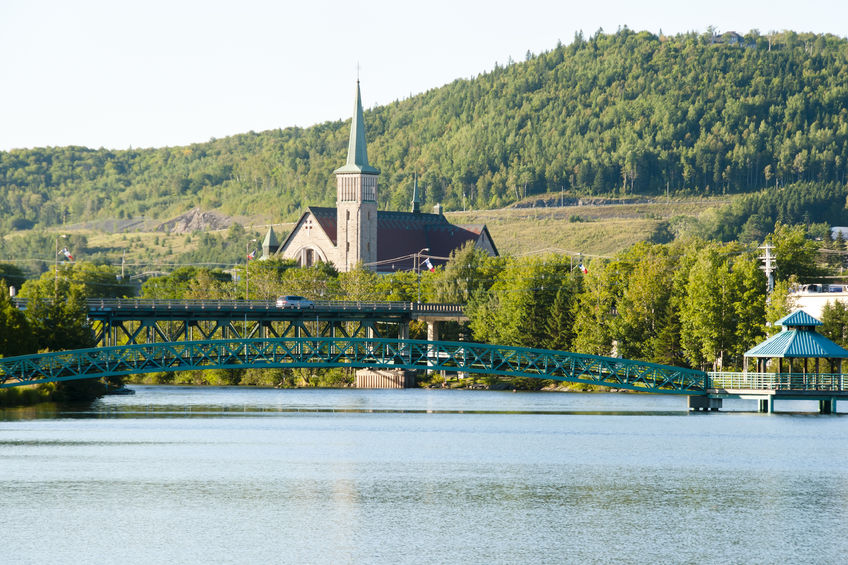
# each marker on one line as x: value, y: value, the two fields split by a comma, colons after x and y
x: 270, y: 245
x: 357, y: 151
x: 356, y: 200
x: 416, y: 203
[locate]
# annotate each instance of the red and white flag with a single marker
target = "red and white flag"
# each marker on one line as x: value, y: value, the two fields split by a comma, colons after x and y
x: 429, y: 265
x: 67, y: 254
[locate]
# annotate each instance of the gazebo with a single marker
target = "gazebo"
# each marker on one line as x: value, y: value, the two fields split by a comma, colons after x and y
x: 798, y: 342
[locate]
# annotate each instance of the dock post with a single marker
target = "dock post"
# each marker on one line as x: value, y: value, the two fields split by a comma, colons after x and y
x: 766, y: 405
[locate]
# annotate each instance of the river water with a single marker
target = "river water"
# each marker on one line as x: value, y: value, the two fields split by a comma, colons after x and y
x: 225, y: 475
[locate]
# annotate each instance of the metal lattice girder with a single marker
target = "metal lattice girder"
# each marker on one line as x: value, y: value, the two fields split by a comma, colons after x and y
x: 358, y: 352
x: 132, y: 321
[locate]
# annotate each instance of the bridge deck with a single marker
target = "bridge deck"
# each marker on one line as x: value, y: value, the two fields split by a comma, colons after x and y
x: 133, y: 309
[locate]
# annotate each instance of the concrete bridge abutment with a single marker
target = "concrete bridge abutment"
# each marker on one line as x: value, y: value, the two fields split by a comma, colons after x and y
x: 704, y: 403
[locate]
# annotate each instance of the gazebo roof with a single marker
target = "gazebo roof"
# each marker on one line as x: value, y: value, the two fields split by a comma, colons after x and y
x: 798, y: 340
x: 798, y: 319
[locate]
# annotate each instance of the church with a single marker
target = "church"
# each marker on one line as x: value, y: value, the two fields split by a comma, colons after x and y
x: 355, y: 231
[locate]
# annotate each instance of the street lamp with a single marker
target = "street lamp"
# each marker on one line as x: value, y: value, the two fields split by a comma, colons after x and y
x: 418, y: 269
x: 56, y: 268
x: 247, y: 269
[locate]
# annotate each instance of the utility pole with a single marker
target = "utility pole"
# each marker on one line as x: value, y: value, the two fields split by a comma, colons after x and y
x: 769, y: 266
x: 248, y: 257
x: 56, y: 269
x: 418, y: 269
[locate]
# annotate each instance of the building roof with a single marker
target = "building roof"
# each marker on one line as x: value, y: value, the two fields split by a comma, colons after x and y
x: 270, y: 239
x: 357, y: 152
x: 402, y: 234
x: 798, y: 339
x: 798, y: 319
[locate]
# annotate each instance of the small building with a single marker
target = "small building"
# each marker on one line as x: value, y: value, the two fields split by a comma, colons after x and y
x: 356, y: 232
x: 812, y: 298
x: 799, y: 344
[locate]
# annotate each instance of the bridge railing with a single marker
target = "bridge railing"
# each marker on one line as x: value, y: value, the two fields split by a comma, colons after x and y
x: 268, y: 305
x: 779, y: 381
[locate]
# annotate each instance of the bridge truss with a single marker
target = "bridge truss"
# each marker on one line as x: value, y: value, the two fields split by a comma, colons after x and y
x: 136, y: 321
x: 356, y: 352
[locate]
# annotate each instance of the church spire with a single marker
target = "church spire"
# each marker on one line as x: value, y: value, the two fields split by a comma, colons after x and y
x: 357, y: 152
x: 416, y: 203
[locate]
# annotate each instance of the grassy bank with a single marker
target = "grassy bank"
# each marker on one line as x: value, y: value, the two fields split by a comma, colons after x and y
x: 27, y: 395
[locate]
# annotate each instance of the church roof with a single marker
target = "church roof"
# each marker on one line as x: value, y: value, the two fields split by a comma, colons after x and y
x: 401, y: 234
x: 357, y: 151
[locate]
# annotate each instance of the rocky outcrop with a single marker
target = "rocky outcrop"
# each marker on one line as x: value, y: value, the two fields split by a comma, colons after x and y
x: 195, y: 220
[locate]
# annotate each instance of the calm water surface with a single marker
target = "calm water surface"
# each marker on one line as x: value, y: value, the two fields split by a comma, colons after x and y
x: 215, y: 475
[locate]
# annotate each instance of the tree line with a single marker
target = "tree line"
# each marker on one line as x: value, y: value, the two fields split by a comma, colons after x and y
x: 692, y: 303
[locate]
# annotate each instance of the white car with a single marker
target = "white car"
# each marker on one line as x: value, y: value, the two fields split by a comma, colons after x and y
x: 293, y: 301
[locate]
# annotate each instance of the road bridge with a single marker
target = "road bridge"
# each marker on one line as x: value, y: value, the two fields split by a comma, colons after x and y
x: 137, y: 321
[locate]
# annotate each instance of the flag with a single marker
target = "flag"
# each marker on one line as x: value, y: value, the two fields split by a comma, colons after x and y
x: 583, y: 269
x: 251, y: 255
x: 429, y: 265
x: 67, y: 253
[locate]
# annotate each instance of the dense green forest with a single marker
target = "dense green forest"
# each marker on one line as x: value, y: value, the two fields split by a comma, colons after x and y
x: 617, y: 114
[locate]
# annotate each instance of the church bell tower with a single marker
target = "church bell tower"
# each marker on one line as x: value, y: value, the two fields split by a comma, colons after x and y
x: 356, y: 200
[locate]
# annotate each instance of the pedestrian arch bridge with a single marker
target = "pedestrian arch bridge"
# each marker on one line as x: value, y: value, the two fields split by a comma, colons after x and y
x: 354, y: 352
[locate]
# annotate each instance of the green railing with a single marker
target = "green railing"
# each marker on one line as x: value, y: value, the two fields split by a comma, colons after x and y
x: 460, y: 357
x: 779, y: 381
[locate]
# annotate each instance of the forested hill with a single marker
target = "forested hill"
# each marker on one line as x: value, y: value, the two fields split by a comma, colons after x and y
x: 624, y: 113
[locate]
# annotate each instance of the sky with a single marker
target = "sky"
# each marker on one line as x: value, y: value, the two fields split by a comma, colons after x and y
x: 119, y: 74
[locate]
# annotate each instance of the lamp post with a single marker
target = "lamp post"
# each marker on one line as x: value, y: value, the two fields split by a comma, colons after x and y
x: 418, y: 269
x: 247, y: 269
x: 56, y: 268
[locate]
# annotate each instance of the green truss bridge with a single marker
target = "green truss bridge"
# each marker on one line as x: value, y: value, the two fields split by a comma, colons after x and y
x: 356, y: 352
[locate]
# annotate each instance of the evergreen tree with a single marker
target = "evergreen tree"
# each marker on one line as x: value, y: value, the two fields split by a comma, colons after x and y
x: 834, y: 319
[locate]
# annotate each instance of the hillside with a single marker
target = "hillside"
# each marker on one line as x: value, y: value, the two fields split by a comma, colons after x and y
x: 621, y: 114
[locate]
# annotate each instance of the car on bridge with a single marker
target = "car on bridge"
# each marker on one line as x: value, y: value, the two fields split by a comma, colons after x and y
x: 294, y: 301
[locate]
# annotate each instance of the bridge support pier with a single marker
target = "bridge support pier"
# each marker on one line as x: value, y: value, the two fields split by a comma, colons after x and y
x: 827, y: 406
x: 433, y: 331
x: 765, y: 405
x: 704, y: 403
